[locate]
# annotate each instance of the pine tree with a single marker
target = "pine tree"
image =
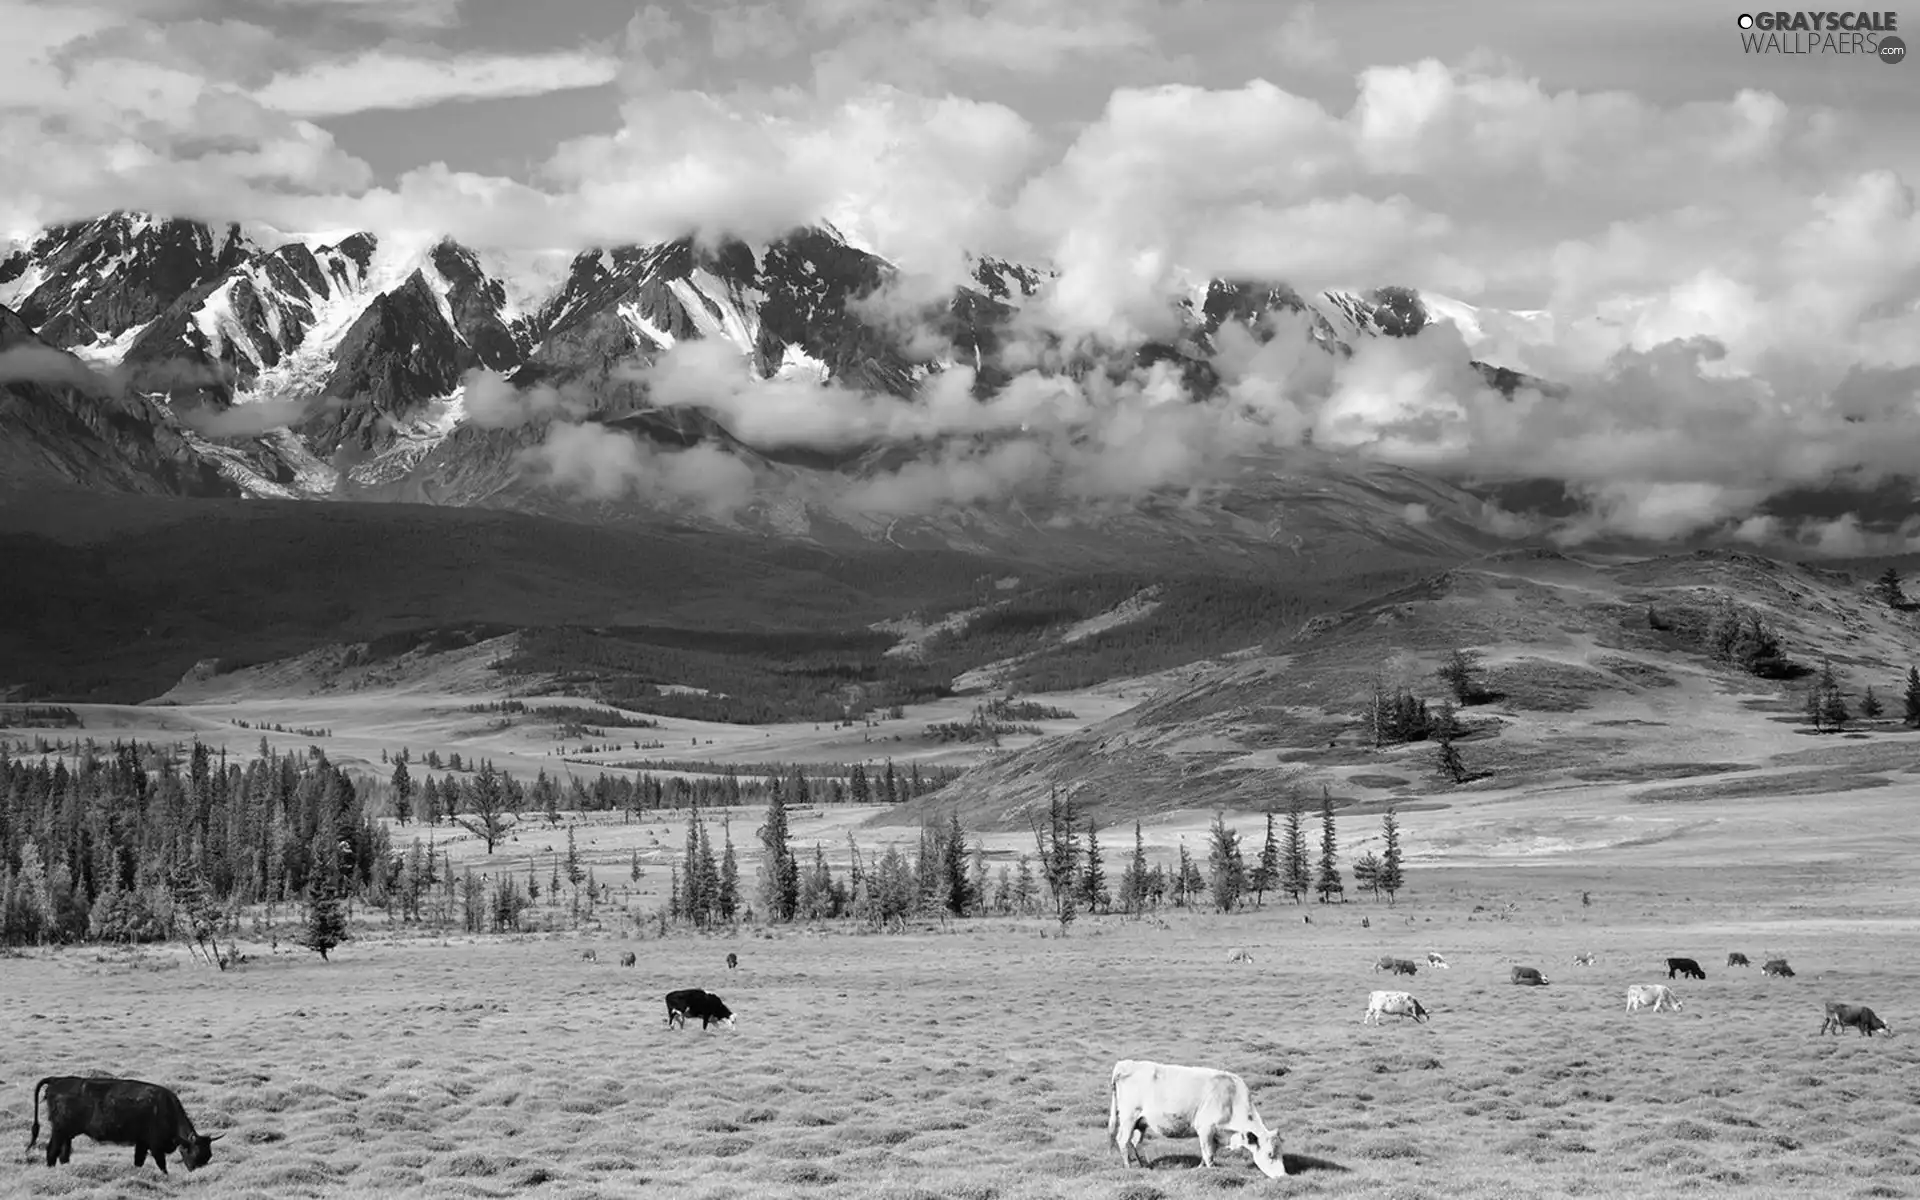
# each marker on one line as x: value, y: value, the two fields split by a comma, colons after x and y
x: 402, y: 792
x: 1888, y: 586
x: 729, y: 898
x: 1025, y: 887
x: 1911, y: 697
x: 1870, y: 706
x: 1227, y: 871
x: 1392, y: 877
x: 1327, y: 881
x: 1461, y: 674
x: 674, y: 911
x: 1133, y: 881
x: 575, y: 873
x: 861, y: 789
x: 1296, y: 879
x: 779, y: 873
x: 1366, y: 873
x: 1266, y: 873
x: 633, y: 868
x: 1832, y: 704
x: 1183, y: 891
x: 326, y: 924
x: 1093, y: 878
x: 957, y: 891
x: 1448, y: 755
x: 978, y: 882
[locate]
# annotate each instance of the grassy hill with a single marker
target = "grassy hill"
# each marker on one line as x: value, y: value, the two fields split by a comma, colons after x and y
x: 1595, y: 672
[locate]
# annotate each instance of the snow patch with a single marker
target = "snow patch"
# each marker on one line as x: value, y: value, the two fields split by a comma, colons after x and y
x: 631, y: 314
x: 108, y: 352
x: 796, y: 363
x: 1133, y: 608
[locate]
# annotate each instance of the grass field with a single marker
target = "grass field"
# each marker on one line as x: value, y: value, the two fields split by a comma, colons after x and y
x: 973, y: 1063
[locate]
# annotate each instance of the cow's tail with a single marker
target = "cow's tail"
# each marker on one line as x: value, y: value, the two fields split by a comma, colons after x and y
x: 1113, y: 1104
x: 34, y: 1137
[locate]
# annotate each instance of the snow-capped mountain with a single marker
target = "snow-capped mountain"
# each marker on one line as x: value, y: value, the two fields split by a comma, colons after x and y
x: 297, y: 366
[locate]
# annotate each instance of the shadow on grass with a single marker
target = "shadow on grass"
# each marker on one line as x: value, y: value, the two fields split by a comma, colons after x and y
x: 1297, y: 1164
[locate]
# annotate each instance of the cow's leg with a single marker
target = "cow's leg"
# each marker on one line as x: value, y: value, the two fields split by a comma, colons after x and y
x: 140, y: 1154
x: 53, y: 1150
x: 66, y: 1149
x: 160, y: 1160
x: 1206, y: 1146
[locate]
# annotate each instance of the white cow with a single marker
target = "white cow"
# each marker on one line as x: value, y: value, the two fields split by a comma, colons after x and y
x: 1175, y: 1101
x: 1652, y: 995
x: 1241, y: 955
x: 1434, y: 960
x: 1393, y: 1004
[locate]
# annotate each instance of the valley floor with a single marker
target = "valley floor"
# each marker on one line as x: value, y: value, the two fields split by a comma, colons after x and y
x: 973, y: 1062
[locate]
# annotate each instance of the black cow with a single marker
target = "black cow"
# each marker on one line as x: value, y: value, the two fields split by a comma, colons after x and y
x: 126, y: 1112
x: 1402, y: 966
x: 1778, y: 968
x: 1529, y: 977
x: 1737, y: 959
x: 1857, y: 1016
x: 1684, y: 966
x: 697, y: 1002
x: 733, y: 960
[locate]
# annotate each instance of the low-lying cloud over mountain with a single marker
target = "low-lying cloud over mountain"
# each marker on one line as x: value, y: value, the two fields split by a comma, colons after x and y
x: 1720, y: 287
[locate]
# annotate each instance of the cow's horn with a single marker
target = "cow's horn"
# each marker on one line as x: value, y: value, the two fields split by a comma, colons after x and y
x: 216, y: 1137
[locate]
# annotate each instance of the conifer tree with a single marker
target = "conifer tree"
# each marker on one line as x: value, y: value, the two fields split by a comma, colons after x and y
x: 1133, y: 882
x: 957, y: 890
x: 1910, y: 699
x: 1266, y: 873
x: 1392, y: 878
x: 1327, y: 881
x: 1888, y: 586
x: 729, y: 898
x: 402, y: 792
x: 326, y: 924
x: 1025, y: 887
x: 1227, y: 870
x: 1870, y: 706
x: 1296, y: 876
x: 1093, y: 878
x: 779, y: 873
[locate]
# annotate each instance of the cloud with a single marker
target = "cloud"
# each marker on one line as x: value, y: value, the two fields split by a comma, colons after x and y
x: 381, y: 79
x: 32, y: 363
x: 1302, y: 43
x: 604, y: 464
x: 250, y: 419
x: 409, y: 15
x: 491, y: 402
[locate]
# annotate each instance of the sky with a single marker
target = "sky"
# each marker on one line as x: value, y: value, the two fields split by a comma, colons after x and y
x: 1727, y: 244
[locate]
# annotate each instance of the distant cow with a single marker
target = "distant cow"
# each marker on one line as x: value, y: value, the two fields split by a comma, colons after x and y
x: 1777, y: 967
x: 697, y: 1002
x: 1403, y: 966
x: 1855, y: 1016
x: 1684, y: 966
x: 628, y: 959
x: 589, y: 956
x: 1384, y: 962
x: 1652, y: 995
x: 1434, y: 960
x: 1175, y: 1101
x: 126, y: 1112
x: 1529, y: 977
x: 1393, y: 1004
x: 1737, y: 959
x: 1583, y: 959
x: 733, y: 960
x: 1240, y: 955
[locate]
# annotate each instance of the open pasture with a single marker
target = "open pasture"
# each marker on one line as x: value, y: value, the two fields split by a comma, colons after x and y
x: 973, y: 1063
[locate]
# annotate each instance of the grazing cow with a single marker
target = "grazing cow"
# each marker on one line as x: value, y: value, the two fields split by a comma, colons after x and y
x: 126, y: 1112
x: 1240, y: 955
x: 1652, y: 995
x: 629, y: 958
x: 1684, y: 966
x: 733, y: 960
x: 1737, y: 959
x: 1583, y: 959
x: 1434, y: 960
x: 1393, y: 1004
x: 1856, y: 1016
x: 697, y: 1002
x: 1175, y: 1101
x: 1402, y: 966
x: 1777, y: 967
x: 1529, y: 977
x: 589, y: 956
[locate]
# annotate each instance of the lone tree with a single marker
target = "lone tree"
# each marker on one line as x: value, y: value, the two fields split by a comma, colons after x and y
x: 487, y: 817
x: 1448, y: 755
x: 1392, y: 878
x: 1911, y: 699
x: 1327, y: 883
x: 1461, y: 674
x: 1366, y: 873
x: 1227, y: 871
x: 326, y: 924
x: 1266, y: 873
x: 1889, y: 589
x: 1296, y: 879
x: 1826, y: 707
x: 1870, y: 706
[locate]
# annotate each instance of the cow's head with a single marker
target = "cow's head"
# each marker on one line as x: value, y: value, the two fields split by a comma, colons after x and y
x: 1263, y: 1143
x: 198, y: 1152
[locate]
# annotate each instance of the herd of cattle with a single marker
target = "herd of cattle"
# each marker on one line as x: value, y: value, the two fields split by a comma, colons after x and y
x: 1212, y: 1105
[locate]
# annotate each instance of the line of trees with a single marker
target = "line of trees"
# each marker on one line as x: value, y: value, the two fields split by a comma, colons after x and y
x: 1826, y: 709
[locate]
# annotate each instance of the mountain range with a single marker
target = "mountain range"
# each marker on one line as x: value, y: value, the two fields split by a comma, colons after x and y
x: 168, y: 356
